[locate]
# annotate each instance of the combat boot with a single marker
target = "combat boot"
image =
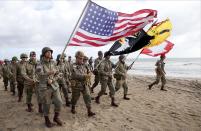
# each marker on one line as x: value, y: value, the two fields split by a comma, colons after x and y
x: 126, y: 98
x: 73, y: 109
x: 48, y: 123
x: 113, y: 103
x: 40, y: 110
x: 150, y: 86
x: 97, y: 99
x: 29, y: 108
x: 90, y: 113
x: 162, y: 88
x: 6, y: 88
x: 68, y: 102
x: 57, y: 120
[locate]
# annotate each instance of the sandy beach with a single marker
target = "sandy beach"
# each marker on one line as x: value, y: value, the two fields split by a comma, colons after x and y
x: 178, y: 109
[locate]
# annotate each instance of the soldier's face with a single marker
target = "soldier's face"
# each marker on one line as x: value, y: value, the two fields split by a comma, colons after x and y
x: 79, y: 60
x: 48, y: 55
x: 107, y: 57
x: 100, y: 55
x: 33, y: 57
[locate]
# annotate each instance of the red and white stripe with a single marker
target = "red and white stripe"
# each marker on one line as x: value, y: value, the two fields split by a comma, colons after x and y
x: 163, y: 48
x: 126, y: 25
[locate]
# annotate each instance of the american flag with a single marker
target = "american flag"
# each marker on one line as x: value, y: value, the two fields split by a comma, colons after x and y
x: 99, y: 26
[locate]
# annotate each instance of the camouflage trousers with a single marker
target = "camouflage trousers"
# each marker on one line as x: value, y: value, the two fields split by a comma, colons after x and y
x: 29, y: 93
x: 49, y: 96
x: 76, y: 95
x: 20, y: 87
x: 121, y: 83
x: 38, y: 96
x: 104, y: 83
x: 96, y: 81
x: 12, y: 86
x: 160, y: 77
x: 5, y: 81
x: 64, y: 89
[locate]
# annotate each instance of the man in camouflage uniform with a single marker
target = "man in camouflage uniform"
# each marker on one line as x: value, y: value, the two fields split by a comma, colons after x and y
x: 80, y: 83
x: 63, y: 73
x: 70, y: 60
x: 68, y: 65
x: 105, y: 71
x: 29, y: 75
x: 120, y: 76
x: 160, y: 73
x: 96, y: 70
x: 49, y: 88
x: 20, y: 79
x: 1, y: 66
x: 90, y: 61
x: 13, y: 74
x: 6, y: 71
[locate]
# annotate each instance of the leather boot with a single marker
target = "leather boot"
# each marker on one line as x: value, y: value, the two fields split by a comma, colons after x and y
x: 29, y: 108
x: 113, y: 103
x: 40, y: 110
x: 57, y: 120
x: 90, y: 113
x: 68, y: 102
x: 150, y: 86
x: 97, y: 99
x: 48, y: 123
x: 126, y: 98
x: 73, y: 109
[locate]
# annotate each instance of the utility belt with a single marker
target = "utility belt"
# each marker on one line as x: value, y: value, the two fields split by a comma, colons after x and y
x: 78, y: 84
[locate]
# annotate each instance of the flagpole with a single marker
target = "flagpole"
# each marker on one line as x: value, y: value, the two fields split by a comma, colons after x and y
x: 135, y: 59
x: 78, y: 22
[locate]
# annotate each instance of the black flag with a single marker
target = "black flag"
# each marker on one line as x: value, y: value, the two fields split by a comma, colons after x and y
x: 130, y: 44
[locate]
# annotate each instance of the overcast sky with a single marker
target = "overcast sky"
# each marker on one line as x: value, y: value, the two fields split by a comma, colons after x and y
x: 32, y: 25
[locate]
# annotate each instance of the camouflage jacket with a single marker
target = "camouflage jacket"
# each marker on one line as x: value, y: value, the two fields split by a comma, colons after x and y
x: 78, y: 75
x: 20, y: 78
x: 97, y: 63
x: 105, y: 69
x: 121, y: 70
x: 43, y: 69
x: 6, y: 71
x: 63, y: 72
x: 13, y: 72
x: 160, y: 67
x: 29, y: 73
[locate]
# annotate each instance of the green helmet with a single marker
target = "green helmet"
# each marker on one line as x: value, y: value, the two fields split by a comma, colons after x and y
x: 23, y: 55
x: 32, y: 53
x: 14, y: 58
x: 79, y: 54
x: 45, y: 49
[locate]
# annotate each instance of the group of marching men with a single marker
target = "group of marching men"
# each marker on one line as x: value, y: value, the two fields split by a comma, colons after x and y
x: 48, y: 78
